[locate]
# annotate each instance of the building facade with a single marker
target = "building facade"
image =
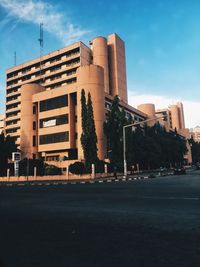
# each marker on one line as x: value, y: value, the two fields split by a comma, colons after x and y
x: 172, y: 119
x: 43, y: 109
x: 195, y: 133
x: 2, y: 123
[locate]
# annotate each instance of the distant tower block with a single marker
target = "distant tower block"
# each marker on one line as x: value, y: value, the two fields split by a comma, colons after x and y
x: 100, y: 58
x: 148, y: 109
x: 175, y: 117
x: 117, y: 67
x: 181, y: 115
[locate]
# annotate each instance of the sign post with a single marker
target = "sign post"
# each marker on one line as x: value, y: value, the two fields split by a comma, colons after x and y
x: 16, y: 157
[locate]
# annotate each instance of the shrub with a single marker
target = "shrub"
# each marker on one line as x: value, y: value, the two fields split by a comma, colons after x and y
x: 28, y: 165
x: 77, y: 168
x: 52, y: 170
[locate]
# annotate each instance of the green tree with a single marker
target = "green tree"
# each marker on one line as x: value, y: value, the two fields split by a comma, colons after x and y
x: 88, y: 136
x: 195, y: 147
x: 7, y: 146
x: 92, y: 137
x: 113, y: 129
x: 84, y: 135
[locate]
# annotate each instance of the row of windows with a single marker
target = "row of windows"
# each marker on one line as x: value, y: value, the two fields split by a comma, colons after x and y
x: 11, y: 98
x: 54, y: 103
x: 56, y: 85
x: 11, y: 122
x: 53, y: 69
x: 11, y: 106
x: 12, y: 90
x: 128, y: 115
x: 54, y: 138
x: 51, y: 60
x: 12, y: 114
x: 13, y: 130
x: 53, y: 121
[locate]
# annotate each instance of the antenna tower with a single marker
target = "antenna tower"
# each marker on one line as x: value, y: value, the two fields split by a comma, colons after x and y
x: 15, y: 58
x: 41, y: 42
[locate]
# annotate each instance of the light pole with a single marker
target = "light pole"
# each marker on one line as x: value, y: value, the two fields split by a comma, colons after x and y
x: 124, y: 138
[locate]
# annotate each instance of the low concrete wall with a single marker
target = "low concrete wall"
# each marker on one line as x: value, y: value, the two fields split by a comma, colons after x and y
x: 54, y: 177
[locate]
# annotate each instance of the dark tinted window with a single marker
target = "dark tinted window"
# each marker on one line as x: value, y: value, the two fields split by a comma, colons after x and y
x: 53, y: 103
x: 54, y: 138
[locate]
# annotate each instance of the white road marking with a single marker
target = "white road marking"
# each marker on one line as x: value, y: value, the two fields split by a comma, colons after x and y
x: 173, y: 198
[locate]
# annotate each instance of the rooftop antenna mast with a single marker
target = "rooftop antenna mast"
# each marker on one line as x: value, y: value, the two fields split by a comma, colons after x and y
x: 15, y: 58
x: 41, y: 42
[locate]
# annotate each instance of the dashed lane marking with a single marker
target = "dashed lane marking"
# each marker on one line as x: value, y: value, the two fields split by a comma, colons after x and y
x: 172, y: 198
x: 100, y: 181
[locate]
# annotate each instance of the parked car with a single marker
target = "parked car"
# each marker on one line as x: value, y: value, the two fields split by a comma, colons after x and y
x: 179, y: 170
x: 197, y: 166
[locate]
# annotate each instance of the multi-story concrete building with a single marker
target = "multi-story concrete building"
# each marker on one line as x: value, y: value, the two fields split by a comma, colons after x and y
x: 2, y: 123
x: 195, y: 133
x: 43, y: 111
x: 171, y: 118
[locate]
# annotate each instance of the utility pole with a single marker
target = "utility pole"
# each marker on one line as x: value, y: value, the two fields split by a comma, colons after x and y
x: 41, y: 42
x: 124, y: 138
x: 15, y: 58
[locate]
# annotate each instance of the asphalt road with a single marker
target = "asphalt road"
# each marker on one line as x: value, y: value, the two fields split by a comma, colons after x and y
x: 150, y: 222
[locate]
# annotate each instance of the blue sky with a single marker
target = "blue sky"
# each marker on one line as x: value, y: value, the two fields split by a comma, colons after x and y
x: 162, y: 42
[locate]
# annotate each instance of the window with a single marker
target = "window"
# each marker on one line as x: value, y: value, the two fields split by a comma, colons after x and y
x: 34, y: 109
x: 54, y: 138
x: 34, y: 140
x: 53, y: 121
x: 34, y: 125
x: 54, y: 103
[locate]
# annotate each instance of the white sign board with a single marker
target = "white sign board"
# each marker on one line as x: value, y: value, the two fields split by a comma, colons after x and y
x: 16, y: 156
x: 49, y: 123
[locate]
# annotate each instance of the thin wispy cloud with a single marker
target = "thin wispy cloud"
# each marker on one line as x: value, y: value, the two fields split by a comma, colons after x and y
x: 35, y: 12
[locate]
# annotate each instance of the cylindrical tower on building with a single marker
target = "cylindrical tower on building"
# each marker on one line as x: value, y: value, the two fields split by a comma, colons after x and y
x: 90, y: 78
x: 181, y: 115
x: 28, y: 123
x: 175, y: 117
x: 100, y: 58
x: 148, y: 109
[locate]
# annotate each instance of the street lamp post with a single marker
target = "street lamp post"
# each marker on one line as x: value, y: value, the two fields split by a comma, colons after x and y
x: 124, y: 138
